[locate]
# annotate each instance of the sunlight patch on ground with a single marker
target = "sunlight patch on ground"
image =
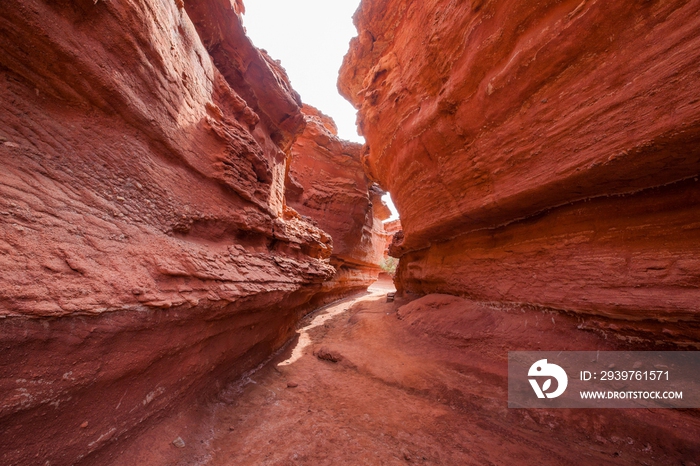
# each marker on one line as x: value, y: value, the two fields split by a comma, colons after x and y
x: 330, y: 311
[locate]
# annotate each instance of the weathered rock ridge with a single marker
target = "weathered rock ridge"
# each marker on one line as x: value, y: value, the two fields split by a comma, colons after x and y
x: 147, y: 253
x: 538, y: 153
x: 327, y: 185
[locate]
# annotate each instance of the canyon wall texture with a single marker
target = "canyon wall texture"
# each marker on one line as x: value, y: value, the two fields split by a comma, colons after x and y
x: 327, y: 185
x: 541, y: 153
x: 146, y: 250
x: 392, y: 227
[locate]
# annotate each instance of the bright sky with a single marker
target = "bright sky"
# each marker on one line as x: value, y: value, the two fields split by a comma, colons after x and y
x: 310, y: 37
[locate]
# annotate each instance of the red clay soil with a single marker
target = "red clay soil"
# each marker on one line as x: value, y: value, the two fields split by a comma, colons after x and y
x: 414, y: 382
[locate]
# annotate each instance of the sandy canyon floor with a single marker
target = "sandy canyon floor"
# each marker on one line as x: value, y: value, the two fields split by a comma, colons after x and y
x: 371, y: 382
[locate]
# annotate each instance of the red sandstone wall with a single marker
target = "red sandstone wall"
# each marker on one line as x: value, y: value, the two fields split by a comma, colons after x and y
x: 391, y: 229
x: 144, y: 242
x: 326, y: 183
x: 538, y: 152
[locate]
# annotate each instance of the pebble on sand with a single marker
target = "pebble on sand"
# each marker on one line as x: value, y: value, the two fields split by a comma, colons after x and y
x: 178, y: 442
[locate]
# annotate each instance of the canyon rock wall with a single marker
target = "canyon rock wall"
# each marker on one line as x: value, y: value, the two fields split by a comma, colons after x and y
x: 147, y: 254
x: 326, y: 184
x: 391, y: 229
x: 540, y: 153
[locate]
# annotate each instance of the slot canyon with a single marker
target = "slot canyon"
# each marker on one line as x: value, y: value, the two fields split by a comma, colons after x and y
x: 194, y: 262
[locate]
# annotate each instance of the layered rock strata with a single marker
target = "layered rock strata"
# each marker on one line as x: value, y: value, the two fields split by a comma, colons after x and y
x: 147, y: 254
x: 541, y: 153
x: 392, y: 227
x: 327, y: 185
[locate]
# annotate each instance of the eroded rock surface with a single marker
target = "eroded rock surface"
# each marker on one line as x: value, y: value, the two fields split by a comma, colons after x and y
x: 543, y: 153
x: 147, y: 255
x: 391, y: 229
x: 327, y: 184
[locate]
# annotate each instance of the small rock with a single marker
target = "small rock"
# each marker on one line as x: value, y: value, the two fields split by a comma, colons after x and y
x: 178, y: 442
x: 292, y: 385
x: 84, y: 425
x: 231, y: 428
x: 328, y: 355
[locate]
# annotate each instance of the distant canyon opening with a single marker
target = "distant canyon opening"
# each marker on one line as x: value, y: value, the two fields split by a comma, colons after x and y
x: 198, y: 270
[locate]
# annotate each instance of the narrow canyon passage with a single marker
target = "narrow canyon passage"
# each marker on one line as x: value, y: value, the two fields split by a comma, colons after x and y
x: 411, y: 382
x: 190, y: 253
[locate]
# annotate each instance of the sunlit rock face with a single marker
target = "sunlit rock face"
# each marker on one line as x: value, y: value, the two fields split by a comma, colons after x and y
x: 147, y: 254
x: 392, y: 227
x: 544, y: 153
x: 327, y: 184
